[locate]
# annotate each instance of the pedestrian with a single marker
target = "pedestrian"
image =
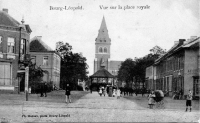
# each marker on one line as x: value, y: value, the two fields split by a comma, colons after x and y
x: 45, y: 89
x: 100, y: 91
x: 104, y: 91
x: 41, y: 89
x: 90, y: 88
x: 151, y: 100
x: 118, y: 93
x: 67, y: 93
x: 114, y: 92
x: 189, y: 101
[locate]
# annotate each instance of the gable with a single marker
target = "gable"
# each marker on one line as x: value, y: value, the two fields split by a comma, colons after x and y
x: 7, y: 20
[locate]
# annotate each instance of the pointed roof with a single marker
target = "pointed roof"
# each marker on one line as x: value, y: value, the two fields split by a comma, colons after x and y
x: 36, y: 44
x: 102, y: 73
x: 103, y: 24
x: 7, y: 20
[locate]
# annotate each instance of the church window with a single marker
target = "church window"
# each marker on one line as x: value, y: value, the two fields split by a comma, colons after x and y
x: 100, y: 50
x: 105, y: 50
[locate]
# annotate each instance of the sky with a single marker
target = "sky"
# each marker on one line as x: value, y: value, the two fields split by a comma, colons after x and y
x: 133, y: 31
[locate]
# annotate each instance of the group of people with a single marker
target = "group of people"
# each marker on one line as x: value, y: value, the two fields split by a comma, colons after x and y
x: 110, y: 91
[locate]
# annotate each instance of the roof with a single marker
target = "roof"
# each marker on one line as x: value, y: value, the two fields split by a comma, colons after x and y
x: 115, y: 65
x: 178, y: 47
x: 7, y: 20
x: 36, y: 44
x: 102, y: 73
x: 103, y: 24
x: 191, y: 43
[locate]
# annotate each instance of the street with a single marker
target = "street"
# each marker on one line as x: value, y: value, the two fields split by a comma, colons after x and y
x: 87, y: 107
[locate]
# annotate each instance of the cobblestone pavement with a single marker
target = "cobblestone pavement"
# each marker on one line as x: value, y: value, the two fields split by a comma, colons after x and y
x: 90, y: 108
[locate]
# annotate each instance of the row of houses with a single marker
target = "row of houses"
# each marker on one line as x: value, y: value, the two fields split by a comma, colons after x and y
x: 178, y: 70
x: 16, y: 46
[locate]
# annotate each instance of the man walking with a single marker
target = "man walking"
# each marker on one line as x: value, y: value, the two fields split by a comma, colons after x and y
x: 189, y: 101
x: 67, y: 93
x: 45, y: 89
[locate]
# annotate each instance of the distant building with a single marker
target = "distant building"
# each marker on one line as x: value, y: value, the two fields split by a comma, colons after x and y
x: 47, y: 59
x: 102, y: 52
x: 14, y: 46
x: 178, y: 70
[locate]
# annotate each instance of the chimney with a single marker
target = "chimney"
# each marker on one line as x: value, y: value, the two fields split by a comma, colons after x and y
x: 5, y: 10
x: 188, y: 40
x: 175, y: 42
x: 193, y: 37
x: 181, y: 41
x: 39, y: 37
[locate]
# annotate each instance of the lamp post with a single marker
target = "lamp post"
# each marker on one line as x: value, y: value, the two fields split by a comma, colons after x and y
x: 20, y: 29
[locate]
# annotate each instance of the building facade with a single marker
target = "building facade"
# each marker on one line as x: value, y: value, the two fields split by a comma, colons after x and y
x: 47, y: 59
x: 102, y: 52
x: 177, y: 70
x: 14, y: 46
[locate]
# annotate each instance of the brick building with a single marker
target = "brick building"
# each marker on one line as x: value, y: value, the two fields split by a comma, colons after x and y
x: 178, y: 69
x: 14, y: 45
x: 47, y: 59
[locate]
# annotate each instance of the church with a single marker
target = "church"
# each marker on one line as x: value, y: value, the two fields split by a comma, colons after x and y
x: 102, y: 52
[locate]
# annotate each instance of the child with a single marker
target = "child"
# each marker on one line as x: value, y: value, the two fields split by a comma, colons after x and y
x: 118, y: 93
x: 114, y: 92
x: 151, y: 100
x: 189, y: 101
x: 100, y: 91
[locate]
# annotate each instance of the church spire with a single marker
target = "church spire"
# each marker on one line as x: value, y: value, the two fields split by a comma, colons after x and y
x: 103, y: 33
x: 103, y: 25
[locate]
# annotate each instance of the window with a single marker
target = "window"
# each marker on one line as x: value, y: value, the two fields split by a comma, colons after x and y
x: 105, y: 50
x: 11, y: 45
x: 23, y: 48
x: 1, y: 40
x: 45, y: 60
x: 5, y: 76
x: 100, y: 50
x: 33, y: 59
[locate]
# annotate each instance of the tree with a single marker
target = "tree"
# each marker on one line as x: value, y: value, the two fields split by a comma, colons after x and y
x: 35, y: 75
x: 156, y: 50
x: 137, y: 68
x: 126, y: 71
x: 73, y: 66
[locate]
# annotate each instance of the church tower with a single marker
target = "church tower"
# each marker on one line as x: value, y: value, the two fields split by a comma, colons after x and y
x: 102, y: 48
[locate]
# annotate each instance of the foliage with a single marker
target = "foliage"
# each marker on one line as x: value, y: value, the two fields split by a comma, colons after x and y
x: 73, y: 66
x: 35, y: 75
x: 126, y: 71
x: 157, y: 51
x: 134, y: 70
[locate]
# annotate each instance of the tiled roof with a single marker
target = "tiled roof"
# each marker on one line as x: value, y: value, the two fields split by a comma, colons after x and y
x: 177, y: 47
x: 102, y: 73
x: 36, y: 44
x: 115, y: 64
x: 7, y: 20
